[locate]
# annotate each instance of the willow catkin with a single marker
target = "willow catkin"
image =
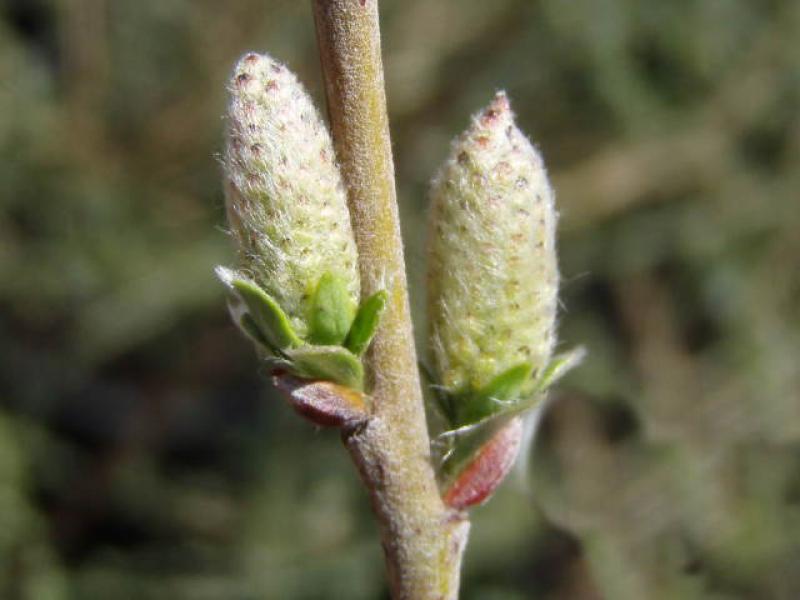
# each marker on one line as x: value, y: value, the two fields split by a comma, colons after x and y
x: 493, y: 275
x: 286, y: 205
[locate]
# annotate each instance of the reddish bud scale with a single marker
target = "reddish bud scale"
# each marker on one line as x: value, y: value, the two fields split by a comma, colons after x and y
x: 323, y: 403
x: 487, y: 468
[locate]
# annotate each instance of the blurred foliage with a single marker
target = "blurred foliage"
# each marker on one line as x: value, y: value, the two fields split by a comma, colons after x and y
x: 141, y: 452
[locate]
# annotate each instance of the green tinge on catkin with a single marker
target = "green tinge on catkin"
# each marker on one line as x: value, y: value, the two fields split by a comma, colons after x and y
x: 286, y: 204
x: 493, y: 275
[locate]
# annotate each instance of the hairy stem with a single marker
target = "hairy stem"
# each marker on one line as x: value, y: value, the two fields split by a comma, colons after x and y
x: 422, y: 539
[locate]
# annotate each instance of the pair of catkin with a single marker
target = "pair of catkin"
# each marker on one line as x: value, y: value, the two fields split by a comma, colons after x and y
x: 493, y: 277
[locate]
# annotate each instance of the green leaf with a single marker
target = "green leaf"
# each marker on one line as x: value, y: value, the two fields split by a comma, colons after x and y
x: 331, y: 312
x: 241, y: 316
x: 475, y: 412
x: 507, y: 395
x: 497, y: 395
x: 329, y: 363
x: 366, y: 323
x: 248, y: 325
x: 442, y: 400
x: 270, y: 319
x: 508, y: 384
x: 559, y: 366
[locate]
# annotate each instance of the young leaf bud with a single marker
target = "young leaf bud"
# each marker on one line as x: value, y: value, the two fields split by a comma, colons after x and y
x: 286, y: 204
x: 493, y: 276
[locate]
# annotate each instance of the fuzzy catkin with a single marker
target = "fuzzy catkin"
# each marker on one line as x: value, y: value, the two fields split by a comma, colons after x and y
x: 493, y: 274
x: 286, y: 204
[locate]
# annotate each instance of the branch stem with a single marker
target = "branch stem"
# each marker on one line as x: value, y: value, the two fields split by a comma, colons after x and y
x: 423, y: 540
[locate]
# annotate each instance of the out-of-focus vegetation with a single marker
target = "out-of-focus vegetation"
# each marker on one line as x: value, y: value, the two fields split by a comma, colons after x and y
x: 141, y: 452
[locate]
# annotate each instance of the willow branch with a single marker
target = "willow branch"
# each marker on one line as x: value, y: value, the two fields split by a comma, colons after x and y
x: 423, y: 540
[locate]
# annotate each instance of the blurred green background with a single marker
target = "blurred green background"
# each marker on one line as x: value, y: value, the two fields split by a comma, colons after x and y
x: 142, y: 454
